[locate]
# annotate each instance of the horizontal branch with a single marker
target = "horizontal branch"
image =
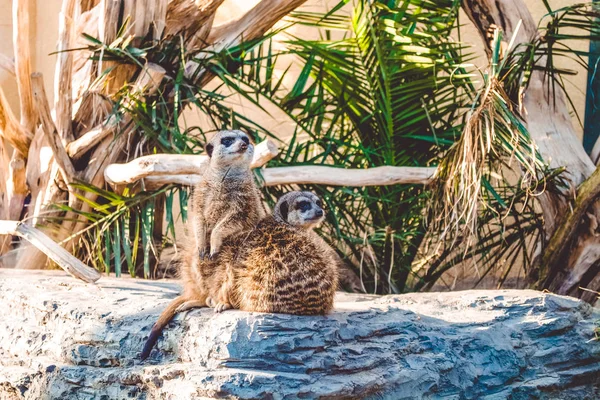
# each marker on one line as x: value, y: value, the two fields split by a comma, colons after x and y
x: 168, y: 164
x: 60, y: 256
x: 332, y: 176
x: 88, y: 140
x: 318, y: 175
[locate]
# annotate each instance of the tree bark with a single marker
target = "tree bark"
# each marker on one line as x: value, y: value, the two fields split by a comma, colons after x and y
x: 17, y: 184
x: 79, y: 141
x: 53, y: 136
x: 176, y: 164
x: 10, y: 129
x: 5, y: 241
x: 63, y: 100
x: 565, y: 261
x: 23, y: 64
x: 59, y: 255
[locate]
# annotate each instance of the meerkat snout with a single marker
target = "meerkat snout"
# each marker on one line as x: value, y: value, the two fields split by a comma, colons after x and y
x: 302, y: 209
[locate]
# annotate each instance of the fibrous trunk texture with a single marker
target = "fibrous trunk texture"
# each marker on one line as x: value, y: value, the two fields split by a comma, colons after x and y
x: 572, y: 258
x: 77, y: 140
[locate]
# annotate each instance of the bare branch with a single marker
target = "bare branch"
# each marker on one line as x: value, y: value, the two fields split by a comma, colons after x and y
x: 60, y: 154
x: 253, y: 24
x: 149, y: 79
x: 16, y: 187
x: 63, y: 91
x: 11, y: 129
x: 315, y: 174
x: 190, y: 19
x: 23, y: 63
x: 88, y: 140
x: 60, y: 256
x: 331, y: 176
x: 171, y: 164
x: 250, y: 26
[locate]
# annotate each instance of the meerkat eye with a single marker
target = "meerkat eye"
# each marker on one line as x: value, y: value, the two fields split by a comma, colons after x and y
x: 227, y: 141
x: 303, y: 205
x: 319, y: 203
x: 245, y: 140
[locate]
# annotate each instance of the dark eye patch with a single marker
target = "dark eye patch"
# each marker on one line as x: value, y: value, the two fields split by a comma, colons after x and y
x: 245, y: 140
x: 227, y: 141
x: 303, y: 205
x: 319, y: 203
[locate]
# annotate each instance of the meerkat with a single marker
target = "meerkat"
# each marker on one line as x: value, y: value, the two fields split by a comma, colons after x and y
x: 227, y: 201
x: 281, y: 265
x: 223, y: 278
x: 346, y: 277
x: 281, y: 212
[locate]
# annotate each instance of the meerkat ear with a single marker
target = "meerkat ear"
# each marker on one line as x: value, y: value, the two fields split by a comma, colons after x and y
x: 209, y: 149
x: 284, y: 209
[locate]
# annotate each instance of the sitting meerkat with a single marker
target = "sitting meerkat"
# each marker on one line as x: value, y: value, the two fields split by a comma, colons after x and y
x: 227, y: 201
x: 281, y: 265
x: 311, y: 203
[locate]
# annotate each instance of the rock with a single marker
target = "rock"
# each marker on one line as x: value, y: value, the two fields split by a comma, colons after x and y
x: 63, y: 339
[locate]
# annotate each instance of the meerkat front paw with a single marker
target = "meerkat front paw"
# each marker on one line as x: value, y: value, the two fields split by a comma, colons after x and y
x: 203, y: 253
x: 220, y: 307
x: 214, y: 252
x: 210, y: 302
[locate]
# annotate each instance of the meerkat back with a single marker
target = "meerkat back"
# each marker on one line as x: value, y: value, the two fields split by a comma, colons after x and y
x: 282, y: 266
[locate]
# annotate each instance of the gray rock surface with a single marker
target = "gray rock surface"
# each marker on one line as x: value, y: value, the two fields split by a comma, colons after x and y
x: 63, y: 339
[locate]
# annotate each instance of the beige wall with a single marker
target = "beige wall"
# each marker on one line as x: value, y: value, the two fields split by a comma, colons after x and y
x: 44, y: 22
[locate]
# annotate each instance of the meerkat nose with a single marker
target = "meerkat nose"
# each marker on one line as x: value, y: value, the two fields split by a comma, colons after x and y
x: 244, y: 146
x: 319, y: 213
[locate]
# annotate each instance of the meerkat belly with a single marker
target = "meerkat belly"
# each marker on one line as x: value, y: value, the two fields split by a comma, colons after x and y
x: 237, y: 202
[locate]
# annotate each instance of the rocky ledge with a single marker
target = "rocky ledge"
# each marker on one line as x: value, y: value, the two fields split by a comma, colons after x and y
x: 62, y: 339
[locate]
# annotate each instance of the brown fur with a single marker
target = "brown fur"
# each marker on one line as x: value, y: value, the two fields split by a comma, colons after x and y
x: 227, y: 201
x: 279, y: 266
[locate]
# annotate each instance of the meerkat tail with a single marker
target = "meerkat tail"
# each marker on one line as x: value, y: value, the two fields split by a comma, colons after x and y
x: 165, y: 317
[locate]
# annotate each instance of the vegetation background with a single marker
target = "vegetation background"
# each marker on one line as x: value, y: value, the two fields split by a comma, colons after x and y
x: 381, y: 230
x: 45, y: 35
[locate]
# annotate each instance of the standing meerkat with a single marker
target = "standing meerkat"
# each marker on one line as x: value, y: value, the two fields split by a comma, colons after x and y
x: 281, y: 265
x: 227, y: 201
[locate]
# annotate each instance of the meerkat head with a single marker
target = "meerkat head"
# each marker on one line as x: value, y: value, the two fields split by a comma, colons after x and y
x: 301, y: 209
x: 230, y: 148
